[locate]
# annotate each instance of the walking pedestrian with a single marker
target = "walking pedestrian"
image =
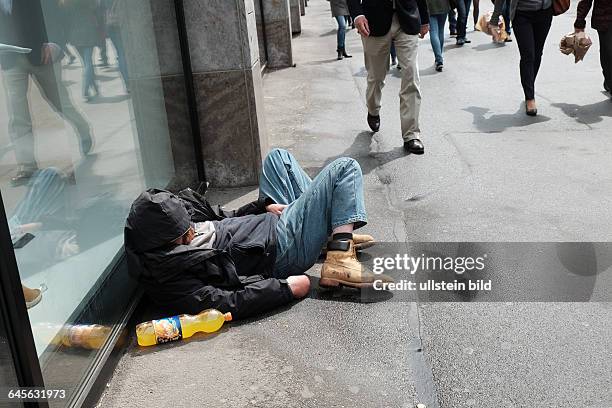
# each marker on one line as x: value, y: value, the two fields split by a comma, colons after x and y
x: 463, y: 10
x: 507, y: 22
x: 402, y: 21
x: 23, y: 23
x: 114, y: 20
x: 85, y: 36
x: 438, y: 10
x: 531, y: 20
x: 601, y: 21
x: 339, y: 10
x: 476, y: 12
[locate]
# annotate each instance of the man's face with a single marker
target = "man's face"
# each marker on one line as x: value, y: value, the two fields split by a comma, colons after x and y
x: 186, y: 238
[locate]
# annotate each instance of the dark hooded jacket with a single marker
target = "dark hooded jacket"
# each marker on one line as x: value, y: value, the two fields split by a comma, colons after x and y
x: 234, y: 276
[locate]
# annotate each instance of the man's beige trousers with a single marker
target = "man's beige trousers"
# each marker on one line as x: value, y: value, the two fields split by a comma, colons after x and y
x: 376, y: 51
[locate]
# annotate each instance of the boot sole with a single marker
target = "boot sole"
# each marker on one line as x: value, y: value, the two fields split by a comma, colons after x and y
x: 334, y: 283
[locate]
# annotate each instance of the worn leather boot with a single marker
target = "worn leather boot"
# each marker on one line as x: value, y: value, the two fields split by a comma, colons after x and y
x: 341, y: 267
x: 363, y: 241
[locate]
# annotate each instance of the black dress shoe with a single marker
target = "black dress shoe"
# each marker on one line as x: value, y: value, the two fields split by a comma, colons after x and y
x: 374, y: 122
x: 414, y: 146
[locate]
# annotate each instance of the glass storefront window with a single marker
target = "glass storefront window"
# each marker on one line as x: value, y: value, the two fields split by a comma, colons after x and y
x: 83, y: 130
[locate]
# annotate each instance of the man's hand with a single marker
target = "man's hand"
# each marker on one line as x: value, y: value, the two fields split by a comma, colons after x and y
x: 50, y: 53
x: 363, y: 28
x: 495, y: 33
x: 276, y: 208
x: 424, y: 30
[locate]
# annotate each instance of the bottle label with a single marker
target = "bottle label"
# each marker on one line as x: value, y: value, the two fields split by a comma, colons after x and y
x: 168, y: 329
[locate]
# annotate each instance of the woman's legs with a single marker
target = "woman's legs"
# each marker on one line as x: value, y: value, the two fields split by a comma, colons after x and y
x: 540, y: 33
x: 531, y: 30
x: 88, y: 71
x: 476, y: 12
x: 523, y: 30
x: 506, y: 14
x: 341, y: 31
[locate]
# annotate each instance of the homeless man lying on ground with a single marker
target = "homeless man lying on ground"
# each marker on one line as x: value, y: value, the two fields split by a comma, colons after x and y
x: 255, y: 260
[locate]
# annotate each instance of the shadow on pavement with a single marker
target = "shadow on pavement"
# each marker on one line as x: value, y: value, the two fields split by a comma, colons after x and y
x: 331, y: 32
x: 500, y: 122
x: 488, y: 46
x: 587, y: 114
x: 360, y: 151
x: 344, y: 294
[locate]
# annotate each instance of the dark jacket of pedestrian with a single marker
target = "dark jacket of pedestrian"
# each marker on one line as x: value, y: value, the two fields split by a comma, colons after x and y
x: 30, y: 24
x: 232, y: 276
x: 411, y: 14
x: 438, y: 6
x: 602, y: 14
x: 339, y: 8
x: 84, y: 22
x: 517, y: 5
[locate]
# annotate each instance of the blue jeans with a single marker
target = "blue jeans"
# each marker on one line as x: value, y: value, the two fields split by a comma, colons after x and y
x: 436, y: 35
x: 315, y: 207
x: 463, y: 10
x: 89, y: 81
x: 44, y: 197
x: 341, y: 30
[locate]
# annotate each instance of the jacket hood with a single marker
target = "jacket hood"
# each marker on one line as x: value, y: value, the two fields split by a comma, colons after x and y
x: 156, y: 218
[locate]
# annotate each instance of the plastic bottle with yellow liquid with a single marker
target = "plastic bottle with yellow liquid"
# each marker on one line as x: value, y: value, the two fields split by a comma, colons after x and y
x: 180, y: 327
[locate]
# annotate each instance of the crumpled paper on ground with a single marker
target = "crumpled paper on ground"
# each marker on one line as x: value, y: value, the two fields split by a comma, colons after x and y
x: 483, y: 25
x: 577, y: 44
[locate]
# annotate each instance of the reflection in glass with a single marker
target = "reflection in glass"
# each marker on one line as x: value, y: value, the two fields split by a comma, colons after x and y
x: 79, y: 79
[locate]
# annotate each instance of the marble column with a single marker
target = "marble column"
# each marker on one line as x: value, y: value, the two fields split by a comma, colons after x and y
x: 228, y: 86
x: 277, y: 22
x: 296, y: 19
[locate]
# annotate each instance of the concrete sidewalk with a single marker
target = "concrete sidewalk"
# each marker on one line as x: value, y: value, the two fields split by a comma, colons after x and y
x: 489, y: 174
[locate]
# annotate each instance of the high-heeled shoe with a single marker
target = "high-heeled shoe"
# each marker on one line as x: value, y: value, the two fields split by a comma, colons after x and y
x: 530, y: 112
x: 344, y: 54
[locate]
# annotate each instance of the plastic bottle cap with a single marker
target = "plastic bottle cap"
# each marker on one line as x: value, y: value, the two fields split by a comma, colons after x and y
x: 228, y: 317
